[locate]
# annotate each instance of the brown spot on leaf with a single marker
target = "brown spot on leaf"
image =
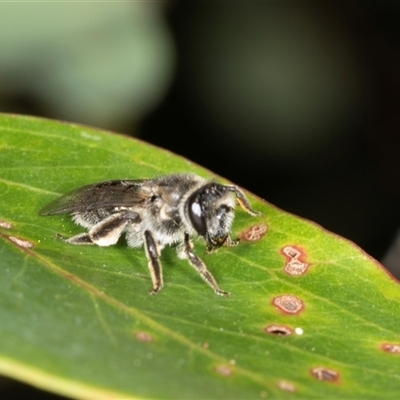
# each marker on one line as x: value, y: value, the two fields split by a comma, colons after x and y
x: 288, y: 304
x: 254, y: 233
x: 278, y: 330
x: 391, y: 348
x: 286, y: 386
x: 26, y: 244
x: 295, y: 264
x: 223, y: 370
x: 325, y: 374
x: 5, y: 225
x: 144, y: 336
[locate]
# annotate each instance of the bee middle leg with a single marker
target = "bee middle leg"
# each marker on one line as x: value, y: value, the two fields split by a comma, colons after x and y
x: 200, y: 267
x: 153, y: 256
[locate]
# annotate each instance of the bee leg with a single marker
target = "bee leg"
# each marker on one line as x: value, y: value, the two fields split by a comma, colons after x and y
x: 109, y: 230
x: 80, y: 239
x: 106, y: 232
x: 187, y: 252
x: 229, y: 242
x: 243, y: 202
x: 153, y: 256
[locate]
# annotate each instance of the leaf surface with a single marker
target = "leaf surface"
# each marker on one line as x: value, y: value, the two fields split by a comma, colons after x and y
x: 310, y: 314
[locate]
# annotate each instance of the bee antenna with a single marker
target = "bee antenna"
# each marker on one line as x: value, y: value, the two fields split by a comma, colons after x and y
x: 242, y: 200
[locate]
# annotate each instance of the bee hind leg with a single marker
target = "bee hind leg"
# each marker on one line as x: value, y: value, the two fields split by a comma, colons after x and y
x: 80, y: 239
x: 106, y: 232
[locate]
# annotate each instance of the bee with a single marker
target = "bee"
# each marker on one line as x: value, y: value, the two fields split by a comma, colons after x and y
x: 154, y: 213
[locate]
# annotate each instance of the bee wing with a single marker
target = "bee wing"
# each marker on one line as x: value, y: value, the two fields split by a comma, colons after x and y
x: 122, y: 193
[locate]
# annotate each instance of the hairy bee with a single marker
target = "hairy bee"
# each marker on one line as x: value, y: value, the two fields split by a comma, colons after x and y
x: 155, y: 213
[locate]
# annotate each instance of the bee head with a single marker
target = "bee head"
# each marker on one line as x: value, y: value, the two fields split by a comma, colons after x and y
x: 210, y: 211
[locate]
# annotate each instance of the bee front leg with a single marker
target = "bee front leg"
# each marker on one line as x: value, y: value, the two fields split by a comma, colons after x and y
x: 229, y: 242
x: 153, y: 257
x: 186, y: 251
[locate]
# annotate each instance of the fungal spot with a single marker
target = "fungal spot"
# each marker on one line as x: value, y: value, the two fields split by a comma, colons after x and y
x: 144, y: 337
x: 286, y: 386
x: 254, y: 233
x: 391, y: 348
x: 5, y: 225
x: 325, y: 374
x: 21, y: 242
x: 294, y: 265
x: 288, y: 304
x: 223, y: 370
x: 278, y: 330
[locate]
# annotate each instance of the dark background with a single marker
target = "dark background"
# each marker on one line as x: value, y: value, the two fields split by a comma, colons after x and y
x: 343, y: 170
x: 297, y: 102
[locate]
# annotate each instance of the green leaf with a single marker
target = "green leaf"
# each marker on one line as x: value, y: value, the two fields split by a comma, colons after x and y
x: 310, y: 314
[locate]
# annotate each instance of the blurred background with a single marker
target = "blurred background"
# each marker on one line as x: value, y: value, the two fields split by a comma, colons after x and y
x: 297, y: 102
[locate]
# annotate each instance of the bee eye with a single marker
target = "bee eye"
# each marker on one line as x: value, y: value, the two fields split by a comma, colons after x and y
x: 196, y: 216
